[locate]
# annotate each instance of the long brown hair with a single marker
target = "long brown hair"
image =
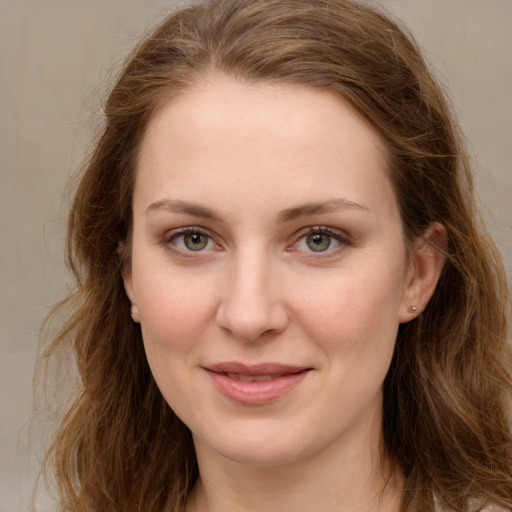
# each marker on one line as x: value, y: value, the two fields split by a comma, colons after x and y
x: 446, y: 425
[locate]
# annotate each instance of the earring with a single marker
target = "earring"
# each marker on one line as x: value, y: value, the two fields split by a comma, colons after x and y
x: 414, y: 309
x: 135, y: 312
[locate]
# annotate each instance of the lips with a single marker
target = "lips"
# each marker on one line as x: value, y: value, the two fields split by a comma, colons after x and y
x: 252, y: 378
x: 256, y: 384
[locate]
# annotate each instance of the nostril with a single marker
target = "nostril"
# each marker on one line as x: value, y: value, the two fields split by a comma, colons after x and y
x: 250, y: 324
x: 251, y: 306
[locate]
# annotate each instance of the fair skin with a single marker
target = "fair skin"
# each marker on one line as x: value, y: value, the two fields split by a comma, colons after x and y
x: 270, y: 322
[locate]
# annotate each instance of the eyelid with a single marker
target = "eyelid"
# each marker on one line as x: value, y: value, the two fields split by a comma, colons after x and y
x: 172, y: 234
x: 340, y: 236
x: 343, y: 238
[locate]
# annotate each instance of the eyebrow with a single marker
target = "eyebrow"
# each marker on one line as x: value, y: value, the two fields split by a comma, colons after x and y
x: 188, y: 208
x: 287, y: 215
x: 313, y: 208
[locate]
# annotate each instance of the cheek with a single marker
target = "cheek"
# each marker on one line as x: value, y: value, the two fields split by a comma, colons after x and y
x: 354, y: 313
x: 355, y: 328
x: 174, y: 316
x: 174, y: 311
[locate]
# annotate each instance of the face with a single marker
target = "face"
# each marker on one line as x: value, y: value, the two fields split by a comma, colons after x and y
x: 269, y: 269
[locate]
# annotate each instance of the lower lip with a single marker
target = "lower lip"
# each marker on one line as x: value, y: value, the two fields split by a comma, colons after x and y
x: 257, y: 393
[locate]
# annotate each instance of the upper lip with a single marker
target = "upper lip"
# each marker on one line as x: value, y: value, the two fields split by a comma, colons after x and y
x: 255, y: 369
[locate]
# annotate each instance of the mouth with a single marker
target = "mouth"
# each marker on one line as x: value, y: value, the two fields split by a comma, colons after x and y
x: 256, y: 384
x: 252, y: 378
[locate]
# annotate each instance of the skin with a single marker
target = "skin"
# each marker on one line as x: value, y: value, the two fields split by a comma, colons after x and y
x: 246, y: 157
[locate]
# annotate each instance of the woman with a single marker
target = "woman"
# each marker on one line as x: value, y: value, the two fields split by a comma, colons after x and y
x: 285, y: 298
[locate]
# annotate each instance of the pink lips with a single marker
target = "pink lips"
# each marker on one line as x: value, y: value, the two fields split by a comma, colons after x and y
x: 257, y: 384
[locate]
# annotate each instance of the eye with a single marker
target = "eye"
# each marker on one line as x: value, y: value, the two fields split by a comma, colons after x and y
x: 191, y: 240
x: 195, y: 241
x: 320, y: 240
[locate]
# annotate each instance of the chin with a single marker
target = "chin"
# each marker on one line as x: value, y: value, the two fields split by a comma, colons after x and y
x: 259, y: 445
x: 257, y: 456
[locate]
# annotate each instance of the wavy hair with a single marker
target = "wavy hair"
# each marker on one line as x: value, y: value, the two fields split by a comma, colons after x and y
x: 446, y: 424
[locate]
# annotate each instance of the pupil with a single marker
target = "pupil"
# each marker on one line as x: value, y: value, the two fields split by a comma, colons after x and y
x: 319, y: 242
x: 195, y: 241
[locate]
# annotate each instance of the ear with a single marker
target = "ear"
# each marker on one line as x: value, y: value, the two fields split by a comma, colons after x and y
x: 128, y: 285
x: 425, y: 267
x: 128, y: 288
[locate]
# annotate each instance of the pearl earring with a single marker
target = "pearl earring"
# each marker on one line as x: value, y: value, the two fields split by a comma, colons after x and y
x: 135, y: 312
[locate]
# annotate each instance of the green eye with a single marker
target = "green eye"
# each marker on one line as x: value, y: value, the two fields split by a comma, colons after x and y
x: 195, y: 241
x: 186, y: 241
x: 318, y: 242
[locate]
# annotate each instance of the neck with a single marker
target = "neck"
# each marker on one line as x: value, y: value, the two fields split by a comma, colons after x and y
x: 360, y: 480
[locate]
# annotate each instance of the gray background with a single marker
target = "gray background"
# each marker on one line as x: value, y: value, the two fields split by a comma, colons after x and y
x: 56, y: 60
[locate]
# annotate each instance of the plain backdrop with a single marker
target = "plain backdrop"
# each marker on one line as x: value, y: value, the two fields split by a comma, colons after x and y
x: 56, y: 60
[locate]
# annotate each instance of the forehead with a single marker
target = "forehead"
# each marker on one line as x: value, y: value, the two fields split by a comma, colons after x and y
x: 228, y: 137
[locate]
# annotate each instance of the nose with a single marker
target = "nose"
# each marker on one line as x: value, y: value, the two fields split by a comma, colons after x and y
x: 252, y: 305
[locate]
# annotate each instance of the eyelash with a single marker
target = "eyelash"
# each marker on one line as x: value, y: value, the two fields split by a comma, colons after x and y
x: 343, y: 240
x: 336, y: 235
x: 170, y: 238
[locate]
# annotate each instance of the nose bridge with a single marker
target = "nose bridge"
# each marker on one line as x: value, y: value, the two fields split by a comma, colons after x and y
x: 252, y: 304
